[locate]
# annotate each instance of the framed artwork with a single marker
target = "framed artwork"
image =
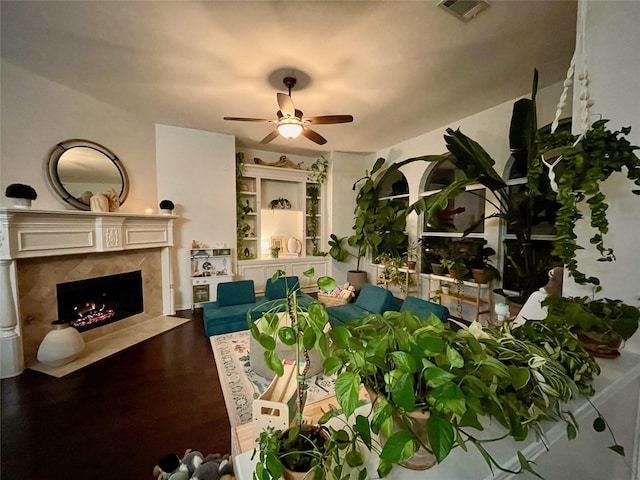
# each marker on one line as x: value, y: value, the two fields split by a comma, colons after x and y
x: 276, y: 242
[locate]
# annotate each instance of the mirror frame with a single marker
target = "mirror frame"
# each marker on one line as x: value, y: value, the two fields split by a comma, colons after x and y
x: 54, y: 178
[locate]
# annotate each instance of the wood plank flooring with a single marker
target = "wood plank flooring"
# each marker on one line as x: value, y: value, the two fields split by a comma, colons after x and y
x: 117, y: 417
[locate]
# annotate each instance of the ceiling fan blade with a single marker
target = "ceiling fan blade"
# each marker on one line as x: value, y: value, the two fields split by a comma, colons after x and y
x: 286, y: 105
x: 270, y: 137
x: 313, y: 136
x: 326, y: 119
x: 243, y: 119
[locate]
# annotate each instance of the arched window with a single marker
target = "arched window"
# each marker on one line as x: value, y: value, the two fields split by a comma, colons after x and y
x: 462, y: 213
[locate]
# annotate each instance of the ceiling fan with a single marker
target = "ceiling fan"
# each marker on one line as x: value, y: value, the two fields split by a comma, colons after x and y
x: 290, y: 121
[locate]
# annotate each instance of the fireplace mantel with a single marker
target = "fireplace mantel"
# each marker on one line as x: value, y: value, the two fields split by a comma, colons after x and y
x: 29, y: 233
x: 26, y: 233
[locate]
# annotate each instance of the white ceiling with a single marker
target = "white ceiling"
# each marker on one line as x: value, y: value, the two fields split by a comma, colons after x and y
x: 400, y: 68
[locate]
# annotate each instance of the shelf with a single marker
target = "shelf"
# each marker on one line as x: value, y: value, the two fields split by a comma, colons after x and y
x: 482, y: 300
x: 247, y: 193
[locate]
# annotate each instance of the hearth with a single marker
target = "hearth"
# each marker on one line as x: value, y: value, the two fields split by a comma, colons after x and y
x: 95, y: 302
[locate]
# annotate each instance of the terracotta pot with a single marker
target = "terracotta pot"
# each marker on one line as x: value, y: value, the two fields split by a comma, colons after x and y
x: 478, y: 275
x: 411, y: 265
x: 597, y: 347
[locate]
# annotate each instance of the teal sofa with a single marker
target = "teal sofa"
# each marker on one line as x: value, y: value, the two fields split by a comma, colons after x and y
x: 424, y: 308
x: 235, y: 299
x: 372, y: 299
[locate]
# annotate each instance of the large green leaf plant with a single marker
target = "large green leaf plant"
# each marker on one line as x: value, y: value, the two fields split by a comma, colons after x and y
x: 379, y: 226
x: 459, y: 377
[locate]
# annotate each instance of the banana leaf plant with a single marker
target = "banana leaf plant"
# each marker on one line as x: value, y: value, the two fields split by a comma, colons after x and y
x: 479, y: 168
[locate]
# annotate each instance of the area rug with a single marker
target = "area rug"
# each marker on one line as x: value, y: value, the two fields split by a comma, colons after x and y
x: 241, y: 385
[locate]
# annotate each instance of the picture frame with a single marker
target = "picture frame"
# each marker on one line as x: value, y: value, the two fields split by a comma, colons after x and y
x: 276, y: 242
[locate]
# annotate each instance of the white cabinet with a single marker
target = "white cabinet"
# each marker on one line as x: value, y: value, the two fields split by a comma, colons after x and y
x: 261, y: 270
x: 209, y: 267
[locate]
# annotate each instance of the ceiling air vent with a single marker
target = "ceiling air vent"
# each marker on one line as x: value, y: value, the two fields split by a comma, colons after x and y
x: 465, y: 10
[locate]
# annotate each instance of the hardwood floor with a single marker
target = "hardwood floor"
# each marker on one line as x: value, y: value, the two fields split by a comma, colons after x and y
x: 117, y: 417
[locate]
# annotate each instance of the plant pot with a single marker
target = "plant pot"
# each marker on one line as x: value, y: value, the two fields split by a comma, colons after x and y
x: 422, y: 459
x: 357, y: 278
x: 437, y: 269
x: 61, y: 345
x: 445, y: 290
x: 319, y: 435
x: 452, y: 274
x: 21, y: 202
x: 597, y: 347
x: 166, y: 211
x: 479, y: 275
x: 411, y: 265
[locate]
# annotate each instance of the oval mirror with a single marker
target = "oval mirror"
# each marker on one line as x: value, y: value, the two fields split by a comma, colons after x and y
x: 78, y: 169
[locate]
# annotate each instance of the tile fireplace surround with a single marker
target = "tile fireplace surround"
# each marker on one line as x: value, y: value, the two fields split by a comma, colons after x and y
x: 39, y: 249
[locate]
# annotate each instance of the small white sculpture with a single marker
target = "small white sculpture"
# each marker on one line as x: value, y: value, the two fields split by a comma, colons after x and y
x: 99, y: 203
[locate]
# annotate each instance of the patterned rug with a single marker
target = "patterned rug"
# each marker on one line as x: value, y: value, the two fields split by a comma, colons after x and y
x: 241, y: 385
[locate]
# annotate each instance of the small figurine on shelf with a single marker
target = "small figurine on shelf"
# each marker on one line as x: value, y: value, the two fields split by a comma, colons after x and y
x: 247, y: 208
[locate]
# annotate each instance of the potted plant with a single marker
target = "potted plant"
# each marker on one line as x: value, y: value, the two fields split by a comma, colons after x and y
x: 302, y: 448
x: 413, y: 253
x: 431, y: 385
x: 22, y: 194
x: 318, y: 176
x: 482, y: 269
x: 379, y: 226
x: 602, y: 324
x: 166, y: 207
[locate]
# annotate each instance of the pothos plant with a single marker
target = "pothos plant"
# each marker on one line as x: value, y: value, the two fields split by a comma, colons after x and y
x: 242, y: 227
x: 584, y: 166
x: 321, y: 450
x: 317, y: 177
x: 421, y: 365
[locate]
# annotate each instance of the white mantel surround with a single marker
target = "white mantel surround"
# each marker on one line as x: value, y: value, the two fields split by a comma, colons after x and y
x: 27, y: 233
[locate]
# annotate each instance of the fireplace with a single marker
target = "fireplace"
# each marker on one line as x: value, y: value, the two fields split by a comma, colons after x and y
x: 94, y: 302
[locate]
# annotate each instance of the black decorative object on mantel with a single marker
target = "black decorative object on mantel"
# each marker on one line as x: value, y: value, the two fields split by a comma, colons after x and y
x: 166, y: 206
x: 22, y: 194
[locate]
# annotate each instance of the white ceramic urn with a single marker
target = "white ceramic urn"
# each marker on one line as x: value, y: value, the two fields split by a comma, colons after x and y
x: 61, y: 345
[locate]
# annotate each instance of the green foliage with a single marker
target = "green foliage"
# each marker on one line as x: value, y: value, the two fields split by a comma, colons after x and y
x: 583, y: 168
x: 421, y: 365
x: 242, y: 227
x: 609, y: 319
x: 379, y: 226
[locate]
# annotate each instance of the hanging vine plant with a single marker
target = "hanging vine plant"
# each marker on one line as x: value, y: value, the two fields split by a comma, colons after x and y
x: 242, y: 227
x: 318, y: 176
x: 583, y: 168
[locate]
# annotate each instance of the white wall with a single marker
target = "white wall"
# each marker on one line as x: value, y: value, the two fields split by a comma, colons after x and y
x: 37, y: 114
x: 345, y: 169
x: 612, y: 38
x: 196, y: 170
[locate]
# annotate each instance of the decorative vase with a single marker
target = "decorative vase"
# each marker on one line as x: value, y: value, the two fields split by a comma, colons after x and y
x: 21, y: 202
x: 61, y: 345
x: 166, y: 211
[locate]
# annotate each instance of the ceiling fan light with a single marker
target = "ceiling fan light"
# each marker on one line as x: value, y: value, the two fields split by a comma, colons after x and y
x: 290, y: 130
